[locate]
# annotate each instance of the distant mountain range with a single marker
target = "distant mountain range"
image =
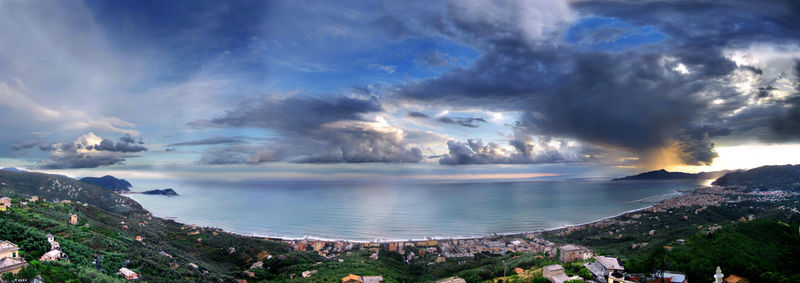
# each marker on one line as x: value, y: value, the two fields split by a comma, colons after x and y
x: 764, y: 175
x: 13, y: 169
x: 666, y: 175
x: 109, y: 182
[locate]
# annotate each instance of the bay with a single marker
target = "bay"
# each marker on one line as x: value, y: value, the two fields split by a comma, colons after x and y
x: 366, y: 211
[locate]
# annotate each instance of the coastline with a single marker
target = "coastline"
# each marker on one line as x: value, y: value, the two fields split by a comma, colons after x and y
x: 664, y: 198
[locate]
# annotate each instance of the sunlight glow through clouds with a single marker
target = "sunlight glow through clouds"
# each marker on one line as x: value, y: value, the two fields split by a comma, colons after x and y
x: 748, y: 156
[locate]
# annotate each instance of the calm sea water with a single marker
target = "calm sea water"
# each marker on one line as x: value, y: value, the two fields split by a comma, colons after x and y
x: 398, y: 211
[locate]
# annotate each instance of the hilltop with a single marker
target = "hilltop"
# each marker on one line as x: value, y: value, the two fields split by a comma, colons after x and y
x: 765, y: 175
x: 12, y: 169
x: 57, y: 188
x: 666, y: 175
x: 109, y: 182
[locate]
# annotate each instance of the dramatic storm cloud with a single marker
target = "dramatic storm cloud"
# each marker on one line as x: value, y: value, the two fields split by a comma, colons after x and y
x: 643, y: 96
x: 314, y: 131
x: 601, y: 83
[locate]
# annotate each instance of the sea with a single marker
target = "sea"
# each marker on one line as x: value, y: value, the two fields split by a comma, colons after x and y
x: 396, y: 210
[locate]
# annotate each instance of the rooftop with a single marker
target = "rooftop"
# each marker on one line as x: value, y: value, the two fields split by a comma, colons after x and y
x: 6, y: 246
x: 609, y: 262
x: 554, y: 267
x: 126, y: 272
x: 9, y: 263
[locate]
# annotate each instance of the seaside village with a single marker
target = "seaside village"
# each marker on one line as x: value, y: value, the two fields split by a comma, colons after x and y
x: 440, y: 251
x: 603, y: 269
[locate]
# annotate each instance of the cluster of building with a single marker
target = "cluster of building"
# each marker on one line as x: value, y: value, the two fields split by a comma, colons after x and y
x: 446, y: 248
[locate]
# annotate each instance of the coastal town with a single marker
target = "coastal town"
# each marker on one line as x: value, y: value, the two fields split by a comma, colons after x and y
x: 579, y: 253
x: 603, y: 268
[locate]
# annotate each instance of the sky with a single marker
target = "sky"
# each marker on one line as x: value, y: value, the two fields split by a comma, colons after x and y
x: 397, y: 89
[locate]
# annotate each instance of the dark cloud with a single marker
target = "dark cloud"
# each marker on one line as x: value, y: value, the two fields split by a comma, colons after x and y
x: 786, y: 125
x: 294, y: 113
x: 314, y: 130
x: 126, y: 144
x: 640, y: 100
x: 66, y: 160
x: 469, y: 122
x: 522, y: 150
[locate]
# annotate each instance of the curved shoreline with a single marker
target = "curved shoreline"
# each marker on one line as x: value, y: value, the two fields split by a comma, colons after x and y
x: 674, y: 194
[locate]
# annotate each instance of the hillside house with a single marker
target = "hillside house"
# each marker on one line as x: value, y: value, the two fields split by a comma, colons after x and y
x: 129, y: 274
x: 53, y: 255
x: 8, y: 249
x: 352, y: 278
x: 12, y: 264
x: 73, y: 219
x: 5, y: 201
x: 10, y: 261
x: 555, y: 273
x: 571, y: 253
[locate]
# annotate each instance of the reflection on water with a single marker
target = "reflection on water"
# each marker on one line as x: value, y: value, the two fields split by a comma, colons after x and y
x: 361, y: 211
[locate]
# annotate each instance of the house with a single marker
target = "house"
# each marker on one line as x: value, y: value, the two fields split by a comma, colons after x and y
x: 308, y: 273
x: 73, y: 219
x: 352, y: 278
x: 518, y: 270
x: 554, y: 273
x: 53, y: 255
x: 12, y: 264
x: 3, y: 207
x: 733, y: 278
x: 53, y: 244
x: 570, y: 253
x: 8, y: 249
x: 609, y: 264
x: 372, y: 279
x: 138, y: 238
x: 5, y: 201
x: 129, y: 274
x: 34, y: 199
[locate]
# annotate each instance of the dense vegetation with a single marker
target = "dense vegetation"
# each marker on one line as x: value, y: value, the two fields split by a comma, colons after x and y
x: 762, y: 251
x: 765, y: 175
x: 101, y: 233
